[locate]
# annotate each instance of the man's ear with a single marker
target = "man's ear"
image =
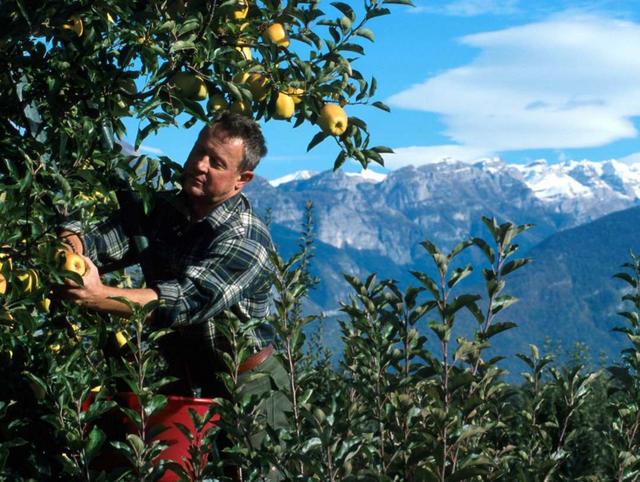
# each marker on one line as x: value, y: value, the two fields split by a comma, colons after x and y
x: 244, y: 178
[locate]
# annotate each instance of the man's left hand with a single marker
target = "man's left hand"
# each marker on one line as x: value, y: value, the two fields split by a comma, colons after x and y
x: 88, y: 294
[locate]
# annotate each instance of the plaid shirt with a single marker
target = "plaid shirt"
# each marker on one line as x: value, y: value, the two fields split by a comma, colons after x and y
x: 198, y: 269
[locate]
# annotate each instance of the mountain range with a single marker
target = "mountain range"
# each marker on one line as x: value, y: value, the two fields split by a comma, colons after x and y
x: 583, y: 213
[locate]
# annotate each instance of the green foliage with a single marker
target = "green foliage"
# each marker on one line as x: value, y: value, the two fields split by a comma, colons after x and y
x: 393, y: 410
x: 70, y: 73
x: 413, y: 398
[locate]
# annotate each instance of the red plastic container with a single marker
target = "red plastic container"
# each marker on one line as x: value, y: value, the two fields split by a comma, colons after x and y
x: 176, y: 411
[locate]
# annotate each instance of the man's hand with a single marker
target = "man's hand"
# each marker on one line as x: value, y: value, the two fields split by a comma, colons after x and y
x: 98, y: 296
x: 72, y: 240
x: 88, y: 294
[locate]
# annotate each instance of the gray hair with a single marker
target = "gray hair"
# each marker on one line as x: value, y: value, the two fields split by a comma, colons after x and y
x: 239, y: 126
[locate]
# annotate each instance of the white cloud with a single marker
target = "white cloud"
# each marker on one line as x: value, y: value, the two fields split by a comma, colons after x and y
x: 419, y: 155
x: 571, y: 81
x: 471, y: 8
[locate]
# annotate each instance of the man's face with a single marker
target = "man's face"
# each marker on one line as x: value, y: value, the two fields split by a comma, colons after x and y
x: 211, y: 173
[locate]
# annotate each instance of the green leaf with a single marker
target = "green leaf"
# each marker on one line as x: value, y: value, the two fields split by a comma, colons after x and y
x: 465, y: 348
x: 156, y: 403
x: 514, y: 265
x: 626, y: 277
x: 461, y: 246
x: 189, y: 25
x: 428, y: 282
x: 502, y: 302
x: 345, y: 10
x: 96, y: 439
x: 458, y: 275
x: 136, y: 443
x: 317, y: 139
x: 340, y: 159
x: 373, y: 87
x: 460, y: 302
x: 351, y: 47
x: 492, y: 225
x: 358, y: 122
x: 345, y: 24
x: 482, y: 244
x: 496, y: 328
x: 377, y: 12
x: 182, y: 45
x: 310, y: 444
x: 459, y: 379
x: 442, y: 330
x: 469, y: 431
x: 366, y: 33
x: 382, y: 106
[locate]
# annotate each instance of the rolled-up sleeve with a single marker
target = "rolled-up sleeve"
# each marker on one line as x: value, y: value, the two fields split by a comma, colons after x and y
x: 234, y: 269
x: 105, y: 244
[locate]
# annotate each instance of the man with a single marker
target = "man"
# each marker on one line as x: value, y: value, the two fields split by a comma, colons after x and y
x: 207, y: 253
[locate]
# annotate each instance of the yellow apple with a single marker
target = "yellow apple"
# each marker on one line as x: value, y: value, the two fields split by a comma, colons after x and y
x: 242, y: 10
x: 217, y: 102
x: 240, y: 77
x: 121, y: 339
x: 258, y: 85
x: 190, y: 85
x: 333, y: 119
x: 245, y: 51
x: 75, y: 263
x: 295, y: 93
x: 29, y: 280
x: 277, y: 34
x: 75, y: 25
x: 284, y: 106
x: 240, y: 107
x: 5, y: 260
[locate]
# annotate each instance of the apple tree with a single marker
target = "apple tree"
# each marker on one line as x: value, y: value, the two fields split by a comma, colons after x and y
x: 70, y: 73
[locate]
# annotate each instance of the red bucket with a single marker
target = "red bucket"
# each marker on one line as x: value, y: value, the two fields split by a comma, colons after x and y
x: 176, y: 411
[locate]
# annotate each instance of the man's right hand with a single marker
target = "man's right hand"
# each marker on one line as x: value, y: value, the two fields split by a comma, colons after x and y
x: 73, y: 241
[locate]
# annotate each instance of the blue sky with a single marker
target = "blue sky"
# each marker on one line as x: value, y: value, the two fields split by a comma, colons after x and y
x: 517, y: 79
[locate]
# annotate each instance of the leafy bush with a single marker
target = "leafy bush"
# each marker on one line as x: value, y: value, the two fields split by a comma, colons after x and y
x: 415, y: 397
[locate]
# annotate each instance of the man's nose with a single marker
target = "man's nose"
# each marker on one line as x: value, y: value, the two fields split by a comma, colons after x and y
x: 201, y: 164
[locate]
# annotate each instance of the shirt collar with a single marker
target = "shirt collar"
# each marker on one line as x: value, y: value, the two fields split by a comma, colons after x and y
x: 217, y: 217
x: 221, y: 213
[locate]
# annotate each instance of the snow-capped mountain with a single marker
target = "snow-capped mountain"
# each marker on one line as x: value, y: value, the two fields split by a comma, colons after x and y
x: 367, y: 224
x: 365, y: 175
x: 586, y: 179
x: 551, y: 183
x: 390, y: 214
x: 294, y: 176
